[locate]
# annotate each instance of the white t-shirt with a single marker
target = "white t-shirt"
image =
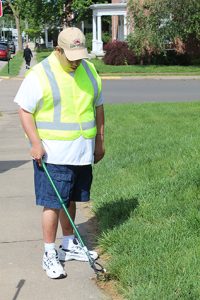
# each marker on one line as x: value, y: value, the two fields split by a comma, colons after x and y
x: 76, y: 152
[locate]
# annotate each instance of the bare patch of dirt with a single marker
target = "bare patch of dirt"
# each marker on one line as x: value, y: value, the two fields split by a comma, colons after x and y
x: 110, y: 288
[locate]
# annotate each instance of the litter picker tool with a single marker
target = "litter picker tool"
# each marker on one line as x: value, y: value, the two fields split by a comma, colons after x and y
x: 97, y: 267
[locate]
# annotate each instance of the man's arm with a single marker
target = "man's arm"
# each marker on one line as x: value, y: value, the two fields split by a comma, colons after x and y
x: 28, y: 123
x: 99, y: 140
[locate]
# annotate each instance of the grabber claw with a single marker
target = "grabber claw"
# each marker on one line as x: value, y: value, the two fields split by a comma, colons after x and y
x: 97, y: 267
x: 100, y: 271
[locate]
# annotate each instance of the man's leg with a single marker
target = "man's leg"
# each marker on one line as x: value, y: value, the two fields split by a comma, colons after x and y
x: 27, y: 64
x: 71, y: 248
x: 51, y: 262
x: 67, y: 229
x: 50, y: 224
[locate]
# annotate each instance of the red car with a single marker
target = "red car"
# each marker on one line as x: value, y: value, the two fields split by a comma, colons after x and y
x: 4, y: 51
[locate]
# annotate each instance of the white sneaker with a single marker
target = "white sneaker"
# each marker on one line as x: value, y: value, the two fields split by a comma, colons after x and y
x: 76, y: 252
x: 52, y: 266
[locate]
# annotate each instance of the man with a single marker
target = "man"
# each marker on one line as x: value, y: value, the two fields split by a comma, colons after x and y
x: 27, y: 56
x: 61, y: 111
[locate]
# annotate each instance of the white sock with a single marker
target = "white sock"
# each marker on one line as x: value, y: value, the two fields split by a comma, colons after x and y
x: 49, y: 246
x: 67, y: 241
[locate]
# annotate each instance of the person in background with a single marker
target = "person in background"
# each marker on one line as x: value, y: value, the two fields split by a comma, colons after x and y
x: 27, y: 56
x: 61, y: 111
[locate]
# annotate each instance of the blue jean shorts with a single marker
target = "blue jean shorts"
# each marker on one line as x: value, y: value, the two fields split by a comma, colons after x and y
x: 72, y: 182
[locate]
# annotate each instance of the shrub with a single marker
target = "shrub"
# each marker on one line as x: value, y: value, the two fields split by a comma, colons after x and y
x: 195, y: 61
x: 106, y: 37
x: 171, y: 57
x: 118, y: 53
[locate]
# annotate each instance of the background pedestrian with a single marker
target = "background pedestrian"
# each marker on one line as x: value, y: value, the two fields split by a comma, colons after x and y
x: 27, y: 56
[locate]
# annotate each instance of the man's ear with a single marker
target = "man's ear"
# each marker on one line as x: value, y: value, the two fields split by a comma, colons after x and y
x: 58, y: 49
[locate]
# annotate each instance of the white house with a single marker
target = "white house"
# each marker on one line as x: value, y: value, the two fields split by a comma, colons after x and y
x: 118, y: 11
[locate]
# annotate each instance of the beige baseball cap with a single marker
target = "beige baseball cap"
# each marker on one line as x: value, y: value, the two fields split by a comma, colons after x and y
x: 72, y: 41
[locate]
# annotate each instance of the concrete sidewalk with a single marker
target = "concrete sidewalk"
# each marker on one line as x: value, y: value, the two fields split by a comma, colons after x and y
x: 21, y: 245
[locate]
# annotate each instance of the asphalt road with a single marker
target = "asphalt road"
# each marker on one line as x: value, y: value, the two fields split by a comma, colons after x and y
x: 125, y: 90
x: 151, y: 90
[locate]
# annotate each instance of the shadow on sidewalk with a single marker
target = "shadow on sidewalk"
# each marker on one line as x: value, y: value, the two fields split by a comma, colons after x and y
x: 89, y: 232
x: 7, y: 165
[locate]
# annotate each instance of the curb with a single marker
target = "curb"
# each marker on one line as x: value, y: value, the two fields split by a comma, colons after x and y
x: 4, y: 77
x: 157, y: 77
x: 11, y: 78
x: 134, y: 77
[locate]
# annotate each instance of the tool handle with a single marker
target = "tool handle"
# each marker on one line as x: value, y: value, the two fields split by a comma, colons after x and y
x: 68, y: 215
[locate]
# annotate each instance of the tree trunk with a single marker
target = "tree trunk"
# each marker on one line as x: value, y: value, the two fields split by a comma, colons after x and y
x: 141, y: 61
x: 68, y: 14
x: 17, y: 21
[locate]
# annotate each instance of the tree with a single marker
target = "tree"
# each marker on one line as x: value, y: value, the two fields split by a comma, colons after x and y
x: 157, y: 24
x: 38, y: 12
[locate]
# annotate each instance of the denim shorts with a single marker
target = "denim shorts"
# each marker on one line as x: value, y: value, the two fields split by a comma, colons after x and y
x: 72, y: 182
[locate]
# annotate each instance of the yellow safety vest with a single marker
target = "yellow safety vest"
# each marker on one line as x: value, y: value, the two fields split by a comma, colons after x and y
x: 67, y: 108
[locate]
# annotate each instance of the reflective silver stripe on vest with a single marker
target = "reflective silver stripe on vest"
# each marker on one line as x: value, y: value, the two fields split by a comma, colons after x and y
x: 56, y: 124
x: 65, y: 126
x: 55, y: 90
x: 91, y: 76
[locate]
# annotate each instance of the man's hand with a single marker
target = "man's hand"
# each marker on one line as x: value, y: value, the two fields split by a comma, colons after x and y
x: 28, y: 123
x: 99, y: 151
x: 37, y: 152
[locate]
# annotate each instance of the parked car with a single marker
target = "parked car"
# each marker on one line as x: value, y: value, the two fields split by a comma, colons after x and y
x: 12, y: 47
x: 4, y: 51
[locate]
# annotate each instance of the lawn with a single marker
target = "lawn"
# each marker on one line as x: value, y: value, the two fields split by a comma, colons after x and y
x: 145, y: 70
x: 146, y: 195
x: 14, y: 65
x: 136, y: 69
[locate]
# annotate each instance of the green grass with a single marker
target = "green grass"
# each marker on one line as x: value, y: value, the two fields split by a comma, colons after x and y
x: 136, y: 69
x: 146, y: 195
x: 42, y: 55
x: 145, y: 70
x: 15, y: 65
